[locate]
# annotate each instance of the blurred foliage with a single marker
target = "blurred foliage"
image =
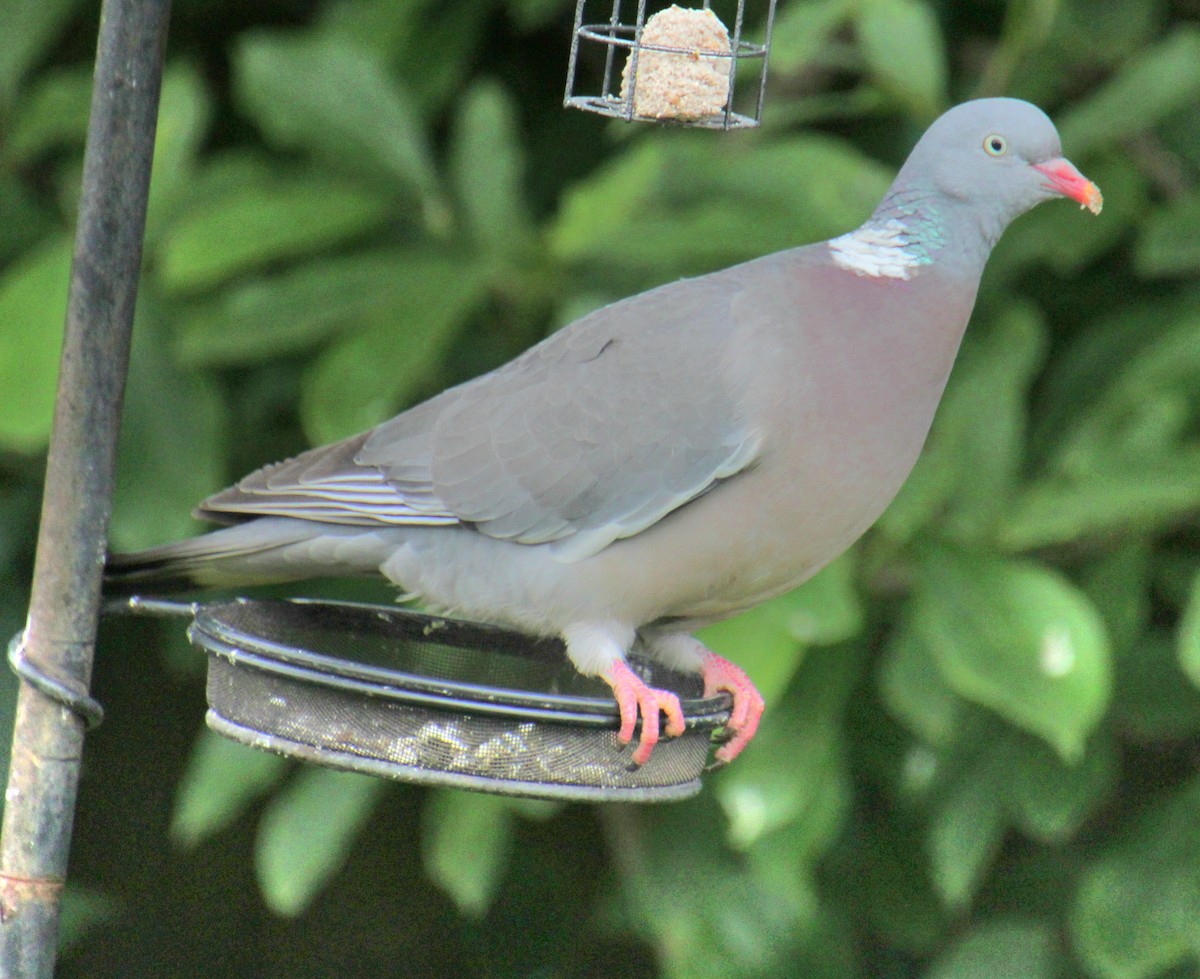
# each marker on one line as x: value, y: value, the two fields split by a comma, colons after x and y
x: 980, y: 753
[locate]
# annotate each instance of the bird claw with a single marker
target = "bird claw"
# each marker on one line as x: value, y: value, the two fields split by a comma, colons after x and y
x: 721, y: 675
x: 635, y: 698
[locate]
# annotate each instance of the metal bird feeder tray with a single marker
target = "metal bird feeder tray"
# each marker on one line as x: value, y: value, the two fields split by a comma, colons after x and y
x: 673, y: 64
x: 423, y: 698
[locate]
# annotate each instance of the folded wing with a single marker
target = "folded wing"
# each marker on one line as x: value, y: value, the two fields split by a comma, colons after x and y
x: 593, y: 435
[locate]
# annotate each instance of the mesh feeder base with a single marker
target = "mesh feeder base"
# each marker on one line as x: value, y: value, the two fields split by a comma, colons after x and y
x: 427, y: 699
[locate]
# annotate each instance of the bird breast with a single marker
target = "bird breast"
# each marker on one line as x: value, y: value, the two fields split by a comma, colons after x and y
x: 844, y: 401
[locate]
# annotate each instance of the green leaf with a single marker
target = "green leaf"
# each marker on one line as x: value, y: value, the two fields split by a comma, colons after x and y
x: 1153, y: 83
x: 1000, y: 949
x: 1050, y: 801
x: 664, y: 207
x: 184, y: 114
x: 1016, y: 638
x: 30, y: 28
x: 220, y: 782
x: 336, y: 100
x: 84, y: 910
x: 389, y: 31
x: 966, y: 829
x: 306, y: 834
x: 912, y: 686
x: 1118, y: 584
x: 881, y: 860
x: 1162, y: 370
x: 1154, y: 701
x: 784, y: 859
x: 1137, y: 911
x: 52, y: 114
x: 902, y: 43
x: 677, y: 884
x: 1174, y: 574
x: 431, y: 45
x: 24, y: 220
x: 33, y: 307
x: 1189, y: 635
x: 1167, y: 244
x: 228, y: 173
x: 488, y: 168
x: 364, y: 377
x: 1143, y: 414
x: 1027, y: 27
x: 532, y: 14
x: 802, y: 31
x: 1094, y: 364
x: 1095, y: 34
x: 171, y: 453
x: 1179, y: 136
x: 260, y: 225
x: 466, y: 846
x: 272, y: 316
x: 1128, y: 498
x: 1116, y: 430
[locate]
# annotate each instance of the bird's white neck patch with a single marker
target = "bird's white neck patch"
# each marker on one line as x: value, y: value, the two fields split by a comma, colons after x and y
x: 880, y: 250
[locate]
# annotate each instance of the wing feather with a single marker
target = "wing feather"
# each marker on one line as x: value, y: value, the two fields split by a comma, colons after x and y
x: 592, y: 435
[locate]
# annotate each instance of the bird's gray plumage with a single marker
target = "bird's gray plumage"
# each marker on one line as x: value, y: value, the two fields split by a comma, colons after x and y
x: 580, y: 441
x: 675, y: 457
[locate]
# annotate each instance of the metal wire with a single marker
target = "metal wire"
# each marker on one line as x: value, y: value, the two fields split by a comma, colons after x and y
x: 78, y: 702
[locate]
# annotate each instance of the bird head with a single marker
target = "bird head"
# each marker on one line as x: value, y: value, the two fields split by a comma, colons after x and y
x: 999, y: 156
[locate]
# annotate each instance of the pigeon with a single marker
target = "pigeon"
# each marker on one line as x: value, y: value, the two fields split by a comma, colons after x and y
x: 671, y: 459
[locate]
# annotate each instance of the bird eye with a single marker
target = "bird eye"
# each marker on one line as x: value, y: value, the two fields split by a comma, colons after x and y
x: 995, y: 145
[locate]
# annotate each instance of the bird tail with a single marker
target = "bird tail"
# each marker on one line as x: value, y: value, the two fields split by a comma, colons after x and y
x: 258, y: 552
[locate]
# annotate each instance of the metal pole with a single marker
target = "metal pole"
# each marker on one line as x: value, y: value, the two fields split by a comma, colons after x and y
x: 64, y: 604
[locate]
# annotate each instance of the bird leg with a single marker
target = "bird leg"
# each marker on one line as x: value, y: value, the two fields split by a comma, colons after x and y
x: 721, y: 675
x: 634, y: 697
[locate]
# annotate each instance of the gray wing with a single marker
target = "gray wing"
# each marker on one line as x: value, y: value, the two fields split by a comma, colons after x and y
x: 592, y: 435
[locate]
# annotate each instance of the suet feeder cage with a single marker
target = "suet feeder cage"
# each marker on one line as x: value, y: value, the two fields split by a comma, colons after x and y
x: 689, y: 66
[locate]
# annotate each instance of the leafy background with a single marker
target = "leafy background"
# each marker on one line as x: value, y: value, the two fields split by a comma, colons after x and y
x: 980, y: 754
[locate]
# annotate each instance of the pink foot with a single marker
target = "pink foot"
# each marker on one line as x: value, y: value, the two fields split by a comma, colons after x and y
x: 634, y: 698
x: 720, y: 674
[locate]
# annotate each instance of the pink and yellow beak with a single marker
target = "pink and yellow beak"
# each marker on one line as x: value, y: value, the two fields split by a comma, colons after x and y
x: 1062, y: 178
